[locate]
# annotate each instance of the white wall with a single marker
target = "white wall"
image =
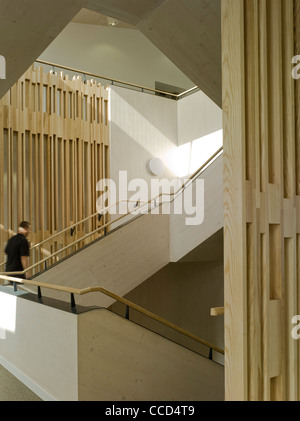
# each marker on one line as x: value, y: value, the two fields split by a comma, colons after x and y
x: 198, y: 116
x: 142, y: 126
x: 42, y: 355
x: 119, y: 53
x: 185, y: 237
x: 199, y: 130
x: 183, y: 134
x: 97, y: 355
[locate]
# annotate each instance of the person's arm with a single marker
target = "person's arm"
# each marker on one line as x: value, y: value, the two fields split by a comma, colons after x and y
x: 24, y: 253
x: 24, y: 261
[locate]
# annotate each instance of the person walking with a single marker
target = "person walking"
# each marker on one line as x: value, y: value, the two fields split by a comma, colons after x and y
x: 17, y: 250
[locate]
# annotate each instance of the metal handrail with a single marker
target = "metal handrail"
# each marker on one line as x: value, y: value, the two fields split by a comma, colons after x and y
x: 133, y: 85
x: 114, y: 296
x: 101, y: 212
x: 182, y: 187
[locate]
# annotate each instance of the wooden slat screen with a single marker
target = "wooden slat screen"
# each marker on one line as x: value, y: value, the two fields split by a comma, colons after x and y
x: 261, y: 118
x: 53, y: 138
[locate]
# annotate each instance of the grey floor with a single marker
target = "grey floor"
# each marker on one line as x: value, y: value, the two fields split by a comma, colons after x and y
x: 12, y: 389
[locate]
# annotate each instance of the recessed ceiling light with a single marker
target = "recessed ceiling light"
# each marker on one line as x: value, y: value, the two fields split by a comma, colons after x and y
x: 112, y: 21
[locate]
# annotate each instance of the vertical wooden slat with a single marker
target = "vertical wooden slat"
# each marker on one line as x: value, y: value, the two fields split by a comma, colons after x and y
x: 277, y: 151
x: 20, y: 180
x: 297, y: 373
x: 264, y: 183
x: 253, y: 178
x: 1, y: 186
x: 297, y: 188
x: 30, y: 171
x: 36, y: 185
x: 289, y: 177
x: 274, y: 52
x: 261, y: 197
x: 265, y: 281
x: 297, y: 91
x: 288, y: 103
x: 50, y: 155
x: 42, y: 193
x: 291, y: 310
x: 236, y: 381
x: 67, y: 183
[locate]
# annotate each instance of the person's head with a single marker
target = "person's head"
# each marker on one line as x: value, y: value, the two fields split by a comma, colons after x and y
x: 24, y: 228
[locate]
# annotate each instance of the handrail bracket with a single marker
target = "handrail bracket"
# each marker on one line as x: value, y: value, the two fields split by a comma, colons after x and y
x: 73, y: 304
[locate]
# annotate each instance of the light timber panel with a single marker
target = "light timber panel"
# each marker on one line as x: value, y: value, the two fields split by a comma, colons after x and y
x: 261, y: 124
x: 157, y: 369
x: 52, y: 136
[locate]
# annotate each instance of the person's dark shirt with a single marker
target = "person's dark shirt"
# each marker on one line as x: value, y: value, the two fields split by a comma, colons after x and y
x: 16, y: 248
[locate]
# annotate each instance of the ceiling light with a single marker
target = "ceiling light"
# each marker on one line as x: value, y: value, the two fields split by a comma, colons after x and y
x: 112, y: 21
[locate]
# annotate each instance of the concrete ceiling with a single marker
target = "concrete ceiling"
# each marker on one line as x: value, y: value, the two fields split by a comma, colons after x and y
x: 130, y: 11
x: 27, y: 28
x: 188, y: 32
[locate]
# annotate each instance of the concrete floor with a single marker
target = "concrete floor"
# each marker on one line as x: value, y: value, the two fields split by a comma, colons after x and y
x: 12, y: 389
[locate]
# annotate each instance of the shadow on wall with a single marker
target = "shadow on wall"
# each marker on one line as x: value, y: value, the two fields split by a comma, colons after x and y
x: 161, y: 127
x: 183, y: 293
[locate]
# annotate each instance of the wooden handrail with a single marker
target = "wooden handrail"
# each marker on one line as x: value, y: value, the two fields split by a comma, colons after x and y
x: 217, y: 311
x: 116, y: 298
x: 196, y: 173
x: 71, y: 69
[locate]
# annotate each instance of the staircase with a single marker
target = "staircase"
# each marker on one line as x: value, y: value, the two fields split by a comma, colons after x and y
x: 104, y: 356
x: 133, y: 252
x: 146, y: 365
x: 96, y: 355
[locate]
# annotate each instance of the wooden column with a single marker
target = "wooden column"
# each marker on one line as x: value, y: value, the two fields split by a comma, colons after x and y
x: 261, y: 198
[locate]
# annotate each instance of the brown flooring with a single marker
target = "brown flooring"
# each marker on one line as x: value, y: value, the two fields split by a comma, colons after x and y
x: 12, y: 389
